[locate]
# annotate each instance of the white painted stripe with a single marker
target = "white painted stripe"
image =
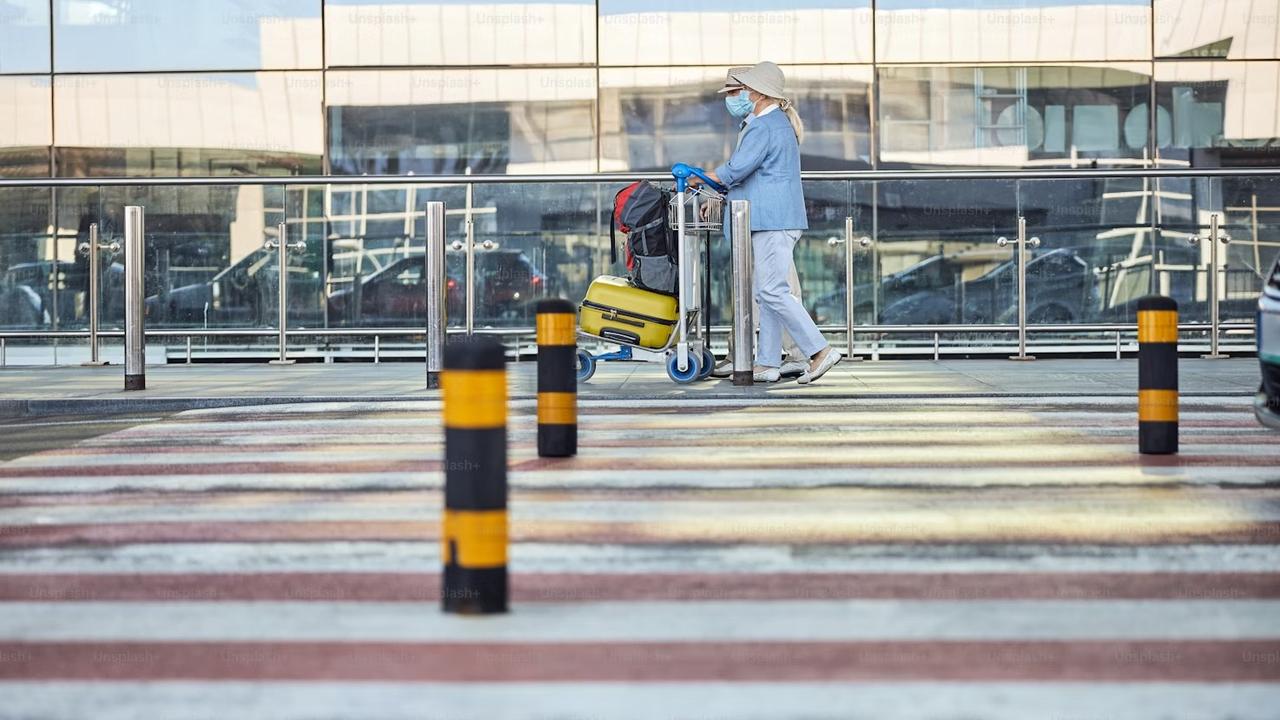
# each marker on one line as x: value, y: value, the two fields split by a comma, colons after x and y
x: 647, y: 621
x: 869, y: 511
x: 555, y: 557
x: 637, y: 701
x: 884, y: 477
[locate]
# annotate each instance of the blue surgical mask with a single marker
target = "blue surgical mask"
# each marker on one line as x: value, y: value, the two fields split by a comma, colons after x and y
x: 739, y: 104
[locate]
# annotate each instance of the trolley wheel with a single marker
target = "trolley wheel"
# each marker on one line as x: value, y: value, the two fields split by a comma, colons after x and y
x: 586, y: 365
x: 689, y: 375
x: 708, y: 363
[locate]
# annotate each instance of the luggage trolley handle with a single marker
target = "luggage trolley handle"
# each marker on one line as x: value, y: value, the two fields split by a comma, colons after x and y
x: 682, y: 172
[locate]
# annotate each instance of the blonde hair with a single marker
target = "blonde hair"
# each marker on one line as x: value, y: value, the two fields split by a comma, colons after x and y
x: 796, y: 123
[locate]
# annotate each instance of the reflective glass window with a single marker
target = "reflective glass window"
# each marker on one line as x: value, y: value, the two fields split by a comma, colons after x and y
x: 26, y: 126
x: 449, y: 121
x: 24, y: 36
x: 444, y: 32
x: 192, y: 124
x: 1229, y: 29
x: 1220, y: 113
x: 1012, y: 30
x: 653, y: 117
x: 143, y: 35
x: 734, y: 32
x: 1014, y: 116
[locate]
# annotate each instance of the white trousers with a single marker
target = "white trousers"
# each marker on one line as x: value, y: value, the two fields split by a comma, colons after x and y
x: 779, y: 310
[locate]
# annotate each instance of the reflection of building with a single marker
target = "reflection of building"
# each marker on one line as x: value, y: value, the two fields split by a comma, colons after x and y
x: 424, y: 87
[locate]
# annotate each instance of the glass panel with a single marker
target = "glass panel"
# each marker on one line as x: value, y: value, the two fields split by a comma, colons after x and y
x: 1012, y: 30
x: 34, y: 265
x: 654, y: 117
x: 535, y: 241
x: 24, y: 36
x: 1096, y: 254
x: 1220, y: 113
x: 428, y: 122
x: 165, y: 125
x: 734, y: 32
x: 158, y: 35
x: 1218, y: 29
x: 374, y: 249
x: 26, y: 126
x: 1182, y: 208
x: 1014, y: 116
x: 206, y: 266
x: 1251, y: 218
x: 819, y: 256
x: 439, y: 32
x: 937, y: 254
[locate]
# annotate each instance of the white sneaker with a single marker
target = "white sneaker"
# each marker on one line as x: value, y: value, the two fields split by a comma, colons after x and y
x: 793, y: 368
x: 829, y: 361
x: 768, y: 375
x: 723, y: 369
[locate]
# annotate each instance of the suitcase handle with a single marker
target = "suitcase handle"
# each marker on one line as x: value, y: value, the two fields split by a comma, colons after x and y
x: 620, y: 336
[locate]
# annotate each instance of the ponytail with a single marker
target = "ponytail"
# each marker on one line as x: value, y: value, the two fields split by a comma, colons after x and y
x: 796, y: 123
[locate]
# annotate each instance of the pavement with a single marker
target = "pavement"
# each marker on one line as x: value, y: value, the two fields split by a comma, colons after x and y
x: 875, y: 548
x: 917, y: 557
x: 44, y: 389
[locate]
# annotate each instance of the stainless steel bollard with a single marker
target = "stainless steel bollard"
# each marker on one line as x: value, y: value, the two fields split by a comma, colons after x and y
x: 744, y: 328
x: 437, y: 293
x: 135, y: 309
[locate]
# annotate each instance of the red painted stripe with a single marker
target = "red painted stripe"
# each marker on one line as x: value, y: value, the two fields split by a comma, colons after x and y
x: 1083, y: 661
x: 647, y: 533
x: 574, y: 587
x: 321, y: 466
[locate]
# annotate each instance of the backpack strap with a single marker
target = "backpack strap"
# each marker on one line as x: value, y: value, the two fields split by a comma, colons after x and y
x: 613, y: 242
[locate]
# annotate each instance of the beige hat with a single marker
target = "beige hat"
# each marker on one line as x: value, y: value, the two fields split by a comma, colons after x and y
x: 730, y: 83
x: 765, y: 78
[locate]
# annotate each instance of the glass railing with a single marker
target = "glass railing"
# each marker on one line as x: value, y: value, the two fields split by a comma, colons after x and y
x: 929, y: 274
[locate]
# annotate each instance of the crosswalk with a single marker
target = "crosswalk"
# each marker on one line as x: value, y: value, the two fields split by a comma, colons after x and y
x: 944, y: 558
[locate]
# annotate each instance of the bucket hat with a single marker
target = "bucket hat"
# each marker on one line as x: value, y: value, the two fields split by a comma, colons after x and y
x: 765, y: 78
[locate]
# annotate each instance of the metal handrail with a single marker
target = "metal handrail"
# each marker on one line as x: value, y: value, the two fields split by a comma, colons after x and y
x: 815, y: 175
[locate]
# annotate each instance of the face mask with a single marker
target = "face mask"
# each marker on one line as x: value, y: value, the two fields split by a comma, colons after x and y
x: 739, y: 104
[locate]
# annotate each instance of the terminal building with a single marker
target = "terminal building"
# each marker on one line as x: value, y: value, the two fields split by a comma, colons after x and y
x: 565, y: 91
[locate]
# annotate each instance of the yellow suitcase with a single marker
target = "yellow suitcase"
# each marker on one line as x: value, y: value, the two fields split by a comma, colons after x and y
x: 614, y: 310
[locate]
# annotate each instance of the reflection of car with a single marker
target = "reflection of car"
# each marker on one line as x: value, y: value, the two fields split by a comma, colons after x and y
x: 1060, y: 289
x: 244, y: 294
x: 27, y: 293
x: 507, y: 284
x: 1267, y: 404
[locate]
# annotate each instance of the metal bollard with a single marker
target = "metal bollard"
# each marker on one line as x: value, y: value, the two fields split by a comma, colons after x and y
x: 557, y: 378
x: 473, y: 534
x: 1157, y: 375
x: 744, y: 327
x: 437, y: 293
x: 135, y: 309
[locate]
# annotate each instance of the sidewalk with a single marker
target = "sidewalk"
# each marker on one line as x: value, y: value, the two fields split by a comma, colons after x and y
x: 43, y: 390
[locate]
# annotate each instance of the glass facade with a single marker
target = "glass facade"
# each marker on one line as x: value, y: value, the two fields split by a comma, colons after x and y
x: 282, y: 88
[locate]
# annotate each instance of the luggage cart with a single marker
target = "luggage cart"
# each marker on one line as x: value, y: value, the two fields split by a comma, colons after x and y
x: 695, y: 212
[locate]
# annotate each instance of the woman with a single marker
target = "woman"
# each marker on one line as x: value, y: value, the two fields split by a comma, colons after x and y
x: 765, y: 170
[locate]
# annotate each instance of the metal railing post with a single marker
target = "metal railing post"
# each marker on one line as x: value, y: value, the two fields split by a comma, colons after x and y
x: 1215, y: 237
x: 135, y: 350
x: 744, y: 329
x: 437, y: 293
x: 1022, y: 245
x: 863, y: 242
x: 91, y: 250
x: 282, y: 246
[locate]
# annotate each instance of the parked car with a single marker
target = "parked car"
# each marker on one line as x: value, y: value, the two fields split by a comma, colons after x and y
x: 1267, y: 403
x: 243, y: 295
x: 27, y: 293
x: 507, y: 286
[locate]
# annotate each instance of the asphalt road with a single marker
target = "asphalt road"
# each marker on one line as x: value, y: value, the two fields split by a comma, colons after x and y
x: 818, y: 558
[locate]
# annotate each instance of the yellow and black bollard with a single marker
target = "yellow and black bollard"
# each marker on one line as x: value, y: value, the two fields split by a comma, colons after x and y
x: 557, y: 378
x: 473, y: 534
x: 1157, y: 375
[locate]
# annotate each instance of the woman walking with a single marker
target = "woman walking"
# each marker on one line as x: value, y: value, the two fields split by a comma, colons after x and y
x: 765, y: 170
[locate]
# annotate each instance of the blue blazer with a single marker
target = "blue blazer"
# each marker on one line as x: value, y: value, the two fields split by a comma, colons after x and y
x: 765, y: 171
